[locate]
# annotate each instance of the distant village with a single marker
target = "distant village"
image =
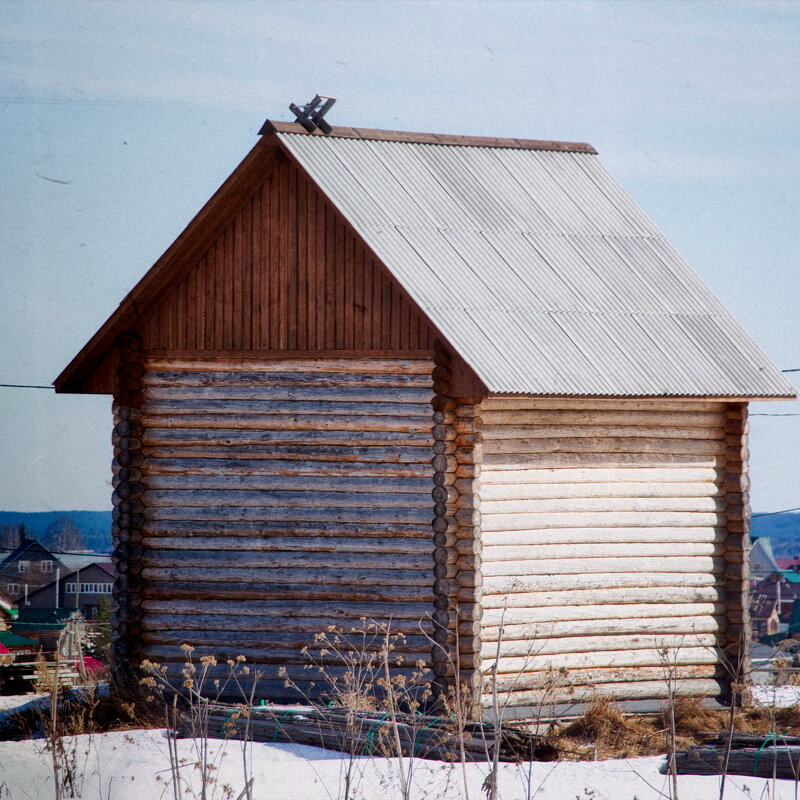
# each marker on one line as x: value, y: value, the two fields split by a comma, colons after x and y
x: 55, y: 606
x: 55, y: 600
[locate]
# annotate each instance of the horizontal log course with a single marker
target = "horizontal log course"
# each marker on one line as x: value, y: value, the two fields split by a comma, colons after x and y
x: 494, y: 553
x: 289, y: 559
x: 272, y: 656
x: 574, y: 419
x: 639, y: 446
x: 603, y: 505
x: 492, y: 476
x: 590, y: 677
x: 591, y: 519
x: 286, y: 425
x: 527, y: 492
x: 264, y: 660
x: 304, y: 380
x: 261, y: 628
x: 600, y: 535
x: 309, y: 454
x: 354, y: 577
x: 280, y: 365
x: 509, y: 617
x: 555, y: 630
x: 288, y: 395
x: 658, y: 404
x: 515, y: 654
x: 579, y: 565
x: 365, y: 381
x: 224, y: 436
x: 609, y: 460
x: 621, y: 692
x: 494, y: 435
x: 418, y: 612
x: 278, y: 411
x: 324, y: 486
x: 289, y: 530
x: 572, y: 601
x: 537, y: 664
x: 266, y: 514
x: 396, y: 546
x: 242, y: 590
x: 502, y: 585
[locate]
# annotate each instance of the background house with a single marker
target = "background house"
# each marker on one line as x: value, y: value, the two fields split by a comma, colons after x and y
x: 26, y: 568
x: 32, y: 566
x: 81, y: 590
x: 462, y: 384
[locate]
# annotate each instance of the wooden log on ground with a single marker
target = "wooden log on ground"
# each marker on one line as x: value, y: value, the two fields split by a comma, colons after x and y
x: 781, y: 762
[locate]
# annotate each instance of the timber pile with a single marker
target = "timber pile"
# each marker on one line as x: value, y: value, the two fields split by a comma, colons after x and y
x: 369, y: 733
x: 757, y: 755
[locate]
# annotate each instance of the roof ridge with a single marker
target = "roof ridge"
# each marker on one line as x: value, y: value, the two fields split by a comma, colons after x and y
x: 430, y: 138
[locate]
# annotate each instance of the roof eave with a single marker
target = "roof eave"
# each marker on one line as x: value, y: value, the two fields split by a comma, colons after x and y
x: 198, y: 231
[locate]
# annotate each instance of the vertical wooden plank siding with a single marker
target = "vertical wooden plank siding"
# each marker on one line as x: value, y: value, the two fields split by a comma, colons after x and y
x: 286, y: 274
x: 282, y: 497
x: 609, y: 534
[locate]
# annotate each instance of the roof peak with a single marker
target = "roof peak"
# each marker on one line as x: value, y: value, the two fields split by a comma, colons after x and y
x: 430, y: 138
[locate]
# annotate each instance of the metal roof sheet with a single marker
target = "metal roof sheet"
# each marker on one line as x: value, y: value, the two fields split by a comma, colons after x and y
x: 538, y: 268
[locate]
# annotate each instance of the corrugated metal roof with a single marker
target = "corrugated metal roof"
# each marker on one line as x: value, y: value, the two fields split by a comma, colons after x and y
x: 538, y: 268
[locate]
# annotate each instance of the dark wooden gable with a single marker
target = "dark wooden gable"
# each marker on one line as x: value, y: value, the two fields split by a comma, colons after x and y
x: 286, y: 274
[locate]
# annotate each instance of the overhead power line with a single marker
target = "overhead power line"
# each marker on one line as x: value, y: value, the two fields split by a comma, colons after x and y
x: 791, y: 370
x: 24, y: 386
x: 773, y: 513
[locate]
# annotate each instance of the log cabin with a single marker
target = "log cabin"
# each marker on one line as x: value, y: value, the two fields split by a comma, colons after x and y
x: 458, y: 385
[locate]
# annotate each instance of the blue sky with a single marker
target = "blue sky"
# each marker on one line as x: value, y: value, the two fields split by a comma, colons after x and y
x: 119, y: 120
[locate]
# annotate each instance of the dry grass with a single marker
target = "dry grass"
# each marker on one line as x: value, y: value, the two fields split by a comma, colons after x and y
x: 606, y: 732
x: 603, y: 731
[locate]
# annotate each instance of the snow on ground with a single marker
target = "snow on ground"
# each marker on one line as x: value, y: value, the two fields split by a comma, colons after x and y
x: 134, y: 765
x: 10, y: 701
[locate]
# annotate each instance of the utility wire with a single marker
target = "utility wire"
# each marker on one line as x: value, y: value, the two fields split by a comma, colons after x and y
x: 24, y: 386
x: 773, y: 513
x: 791, y: 370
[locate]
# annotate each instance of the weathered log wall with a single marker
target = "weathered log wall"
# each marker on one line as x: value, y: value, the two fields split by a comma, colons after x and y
x: 607, y: 545
x: 128, y: 513
x: 282, y: 497
x: 456, y: 526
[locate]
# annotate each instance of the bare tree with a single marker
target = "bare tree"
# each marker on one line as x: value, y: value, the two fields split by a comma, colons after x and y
x: 11, y: 536
x: 64, y: 535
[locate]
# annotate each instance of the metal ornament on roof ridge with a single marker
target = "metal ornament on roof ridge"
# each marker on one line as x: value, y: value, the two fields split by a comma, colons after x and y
x: 312, y: 115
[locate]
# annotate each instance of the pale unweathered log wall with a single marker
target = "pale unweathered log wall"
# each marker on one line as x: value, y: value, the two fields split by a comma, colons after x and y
x: 281, y: 497
x: 611, y: 530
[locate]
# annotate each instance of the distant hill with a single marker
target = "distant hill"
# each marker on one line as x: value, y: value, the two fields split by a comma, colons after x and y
x: 783, y: 530
x: 94, y: 525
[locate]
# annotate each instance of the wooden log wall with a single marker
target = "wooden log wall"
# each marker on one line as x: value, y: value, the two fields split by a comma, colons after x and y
x: 611, y: 531
x: 128, y: 513
x: 283, y: 497
x: 456, y: 526
x: 737, y: 542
